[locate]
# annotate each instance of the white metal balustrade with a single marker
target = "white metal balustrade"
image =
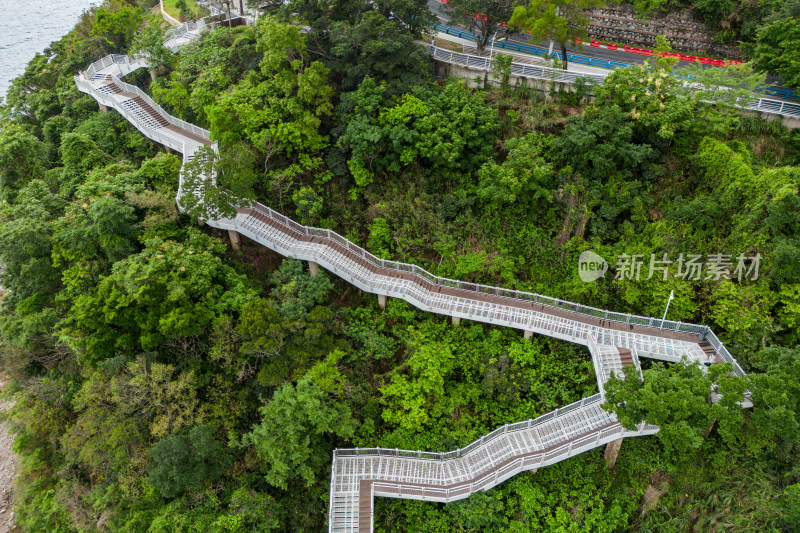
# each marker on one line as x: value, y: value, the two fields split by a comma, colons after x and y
x: 615, y: 340
x: 523, y: 70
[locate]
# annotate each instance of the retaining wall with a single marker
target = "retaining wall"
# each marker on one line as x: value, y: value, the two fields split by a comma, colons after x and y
x: 619, y: 24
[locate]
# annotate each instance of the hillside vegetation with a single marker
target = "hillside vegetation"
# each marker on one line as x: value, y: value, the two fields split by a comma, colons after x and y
x: 164, y: 382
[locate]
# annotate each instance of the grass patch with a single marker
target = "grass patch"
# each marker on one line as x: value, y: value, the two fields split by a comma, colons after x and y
x: 170, y: 6
x: 448, y: 45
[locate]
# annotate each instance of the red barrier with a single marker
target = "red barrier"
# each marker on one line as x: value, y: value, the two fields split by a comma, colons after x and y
x: 640, y: 51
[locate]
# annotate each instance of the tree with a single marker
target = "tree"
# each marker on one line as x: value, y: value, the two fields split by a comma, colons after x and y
x: 524, y: 175
x: 379, y: 48
x: 775, y: 421
x: 169, y: 290
x: 308, y: 203
x: 183, y: 9
x: 297, y: 291
x: 678, y: 400
x: 117, y: 24
x: 149, y: 42
x: 97, y: 230
x: 607, y: 171
x: 649, y: 94
x: 413, y: 398
x: 777, y: 50
x: 184, y: 461
x: 216, y: 184
x: 279, y: 109
x: 26, y: 246
x: 299, y: 423
x: 483, y: 17
x: 414, y: 16
x: 561, y: 21
x: 446, y: 130
x: 22, y: 156
x: 719, y: 94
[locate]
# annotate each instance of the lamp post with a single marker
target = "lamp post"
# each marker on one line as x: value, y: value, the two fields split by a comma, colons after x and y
x: 671, y: 296
x: 491, y: 50
x: 550, y: 51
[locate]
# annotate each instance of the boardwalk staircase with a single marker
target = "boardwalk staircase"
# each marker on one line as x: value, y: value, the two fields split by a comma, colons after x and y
x: 615, y: 341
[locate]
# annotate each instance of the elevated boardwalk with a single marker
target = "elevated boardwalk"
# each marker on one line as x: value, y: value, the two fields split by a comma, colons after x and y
x: 615, y: 341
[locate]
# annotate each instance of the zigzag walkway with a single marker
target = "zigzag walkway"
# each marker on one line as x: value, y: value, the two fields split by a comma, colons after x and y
x: 616, y: 341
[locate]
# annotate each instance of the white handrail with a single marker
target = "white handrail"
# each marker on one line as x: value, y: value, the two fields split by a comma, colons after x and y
x: 556, y: 444
x: 764, y: 105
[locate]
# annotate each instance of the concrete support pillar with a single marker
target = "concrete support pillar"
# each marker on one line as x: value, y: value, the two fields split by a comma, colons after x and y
x: 527, y: 334
x: 103, y: 108
x: 456, y: 321
x: 234, y: 237
x: 313, y: 268
x: 382, y: 301
x: 612, y: 451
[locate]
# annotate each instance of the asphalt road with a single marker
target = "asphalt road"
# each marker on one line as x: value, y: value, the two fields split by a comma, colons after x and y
x: 438, y: 9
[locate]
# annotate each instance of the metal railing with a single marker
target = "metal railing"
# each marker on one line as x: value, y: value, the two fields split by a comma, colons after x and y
x: 776, y: 107
x: 517, y: 69
x: 591, y: 440
x: 486, y: 439
x: 160, y: 135
x: 532, y: 50
x: 780, y: 92
x: 481, y: 464
x: 423, y: 274
x: 764, y: 105
x: 547, y: 301
x: 133, y: 89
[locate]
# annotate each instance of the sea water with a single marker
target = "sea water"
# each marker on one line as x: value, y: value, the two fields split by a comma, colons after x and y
x: 28, y: 27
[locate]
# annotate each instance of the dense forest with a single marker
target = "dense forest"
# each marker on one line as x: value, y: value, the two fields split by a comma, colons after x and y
x: 165, y: 382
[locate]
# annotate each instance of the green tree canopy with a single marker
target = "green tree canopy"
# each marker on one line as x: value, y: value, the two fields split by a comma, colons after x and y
x: 169, y: 290
x: 524, y: 175
x: 299, y: 425
x: 561, y: 21
x: 482, y: 17
x: 777, y: 50
x: 446, y: 131
x: 184, y: 461
x: 679, y: 400
x: 149, y: 42
x: 280, y: 108
x: 378, y: 48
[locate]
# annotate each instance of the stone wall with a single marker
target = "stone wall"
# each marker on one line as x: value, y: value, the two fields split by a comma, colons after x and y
x: 618, y: 23
x: 482, y: 78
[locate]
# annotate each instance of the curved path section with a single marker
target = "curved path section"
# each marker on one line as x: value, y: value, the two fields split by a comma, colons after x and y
x: 616, y: 341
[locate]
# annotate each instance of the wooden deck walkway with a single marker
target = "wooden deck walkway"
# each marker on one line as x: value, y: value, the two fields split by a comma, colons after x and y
x: 358, y: 475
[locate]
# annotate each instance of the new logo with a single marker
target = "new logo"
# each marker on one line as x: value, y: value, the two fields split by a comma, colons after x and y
x: 591, y: 266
